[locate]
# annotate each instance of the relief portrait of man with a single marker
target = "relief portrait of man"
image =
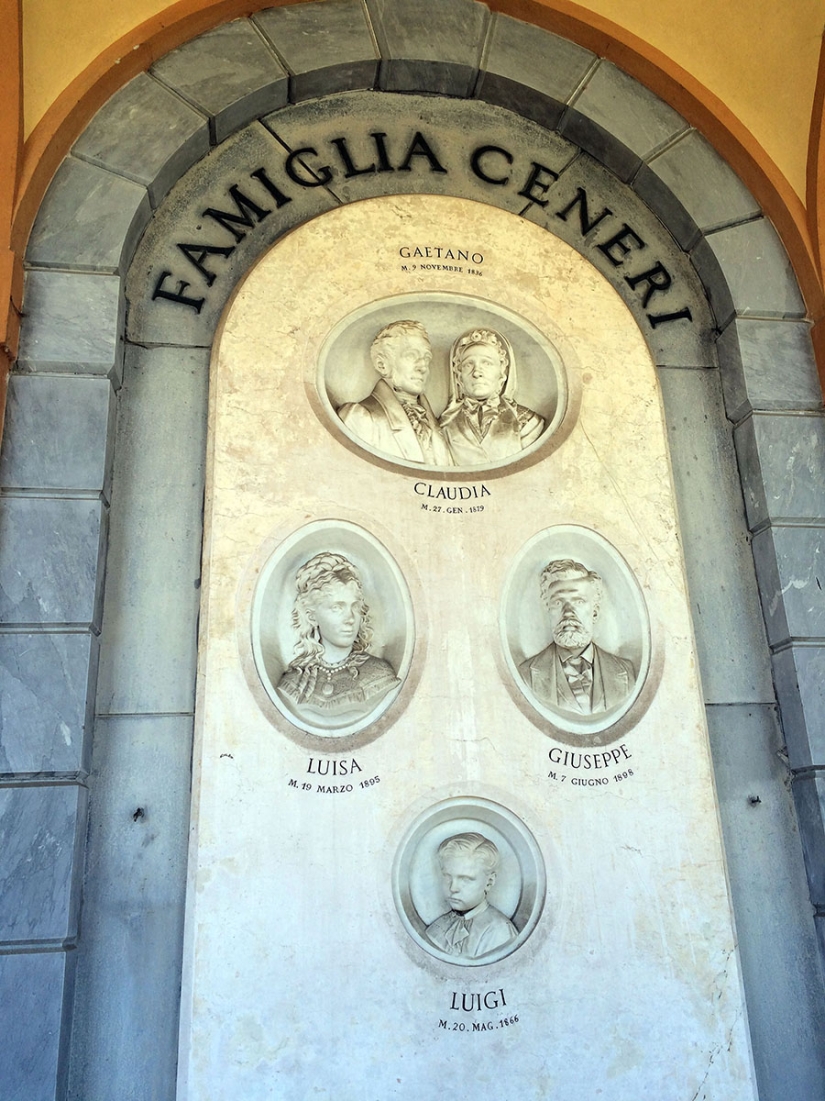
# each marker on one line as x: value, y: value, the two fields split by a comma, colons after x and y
x: 396, y: 417
x: 483, y: 421
x: 332, y: 672
x: 472, y: 926
x: 573, y: 673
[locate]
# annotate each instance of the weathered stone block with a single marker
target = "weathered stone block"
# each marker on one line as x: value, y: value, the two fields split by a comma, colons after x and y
x: 41, y: 832
x: 50, y: 554
x: 90, y: 220
x: 768, y: 365
x: 809, y: 796
x: 667, y: 206
x: 600, y: 144
x: 146, y: 133
x: 327, y: 46
x: 130, y: 955
x: 757, y: 270
x: 430, y: 46
x: 776, y: 938
x: 618, y: 121
x: 715, y: 282
x: 799, y: 675
x: 730, y: 634
x: 611, y: 210
x: 228, y: 73
x: 710, y: 192
x: 449, y: 127
x: 149, y: 636
x: 46, y: 697
x: 73, y: 324
x: 69, y: 417
x: 790, y: 564
x: 162, y: 268
x: 32, y: 994
x: 530, y: 71
x: 782, y: 466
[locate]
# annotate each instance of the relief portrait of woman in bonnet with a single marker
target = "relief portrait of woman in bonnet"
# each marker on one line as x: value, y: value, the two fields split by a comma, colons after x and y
x: 483, y: 421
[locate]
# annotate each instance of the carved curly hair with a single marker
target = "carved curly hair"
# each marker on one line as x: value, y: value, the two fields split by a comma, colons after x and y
x: 310, y: 581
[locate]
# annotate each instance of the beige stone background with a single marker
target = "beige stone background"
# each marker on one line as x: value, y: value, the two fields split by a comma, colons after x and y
x: 631, y: 978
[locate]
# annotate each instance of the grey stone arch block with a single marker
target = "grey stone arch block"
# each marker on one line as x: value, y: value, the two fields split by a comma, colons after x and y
x: 224, y: 80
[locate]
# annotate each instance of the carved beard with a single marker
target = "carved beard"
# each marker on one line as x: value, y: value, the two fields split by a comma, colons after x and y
x: 572, y: 634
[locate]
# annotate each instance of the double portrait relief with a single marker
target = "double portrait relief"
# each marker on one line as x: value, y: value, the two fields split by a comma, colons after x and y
x: 482, y: 421
x: 443, y: 382
x: 333, y: 627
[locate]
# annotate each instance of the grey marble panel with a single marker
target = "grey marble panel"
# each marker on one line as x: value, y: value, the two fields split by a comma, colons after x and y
x: 56, y: 433
x: 90, y: 220
x: 327, y: 46
x: 667, y: 206
x: 530, y: 71
x: 600, y: 144
x: 680, y: 343
x: 229, y: 73
x: 130, y: 955
x: 782, y: 466
x: 50, y: 553
x: 790, y: 564
x: 73, y: 323
x: 768, y: 365
x: 46, y: 696
x: 614, y: 109
x: 31, y: 1008
x: 429, y: 46
x: 149, y: 635
x: 715, y: 282
x: 809, y: 795
x: 707, y: 188
x: 182, y: 220
x: 146, y: 133
x: 757, y: 269
x: 777, y: 941
x: 730, y: 633
x: 40, y: 830
x: 451, y: 127
x: 799, y: 675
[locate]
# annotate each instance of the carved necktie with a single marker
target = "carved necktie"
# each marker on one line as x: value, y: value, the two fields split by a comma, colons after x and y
x: 417, y: 416
x: 579, y: 673
x: 458, y: 934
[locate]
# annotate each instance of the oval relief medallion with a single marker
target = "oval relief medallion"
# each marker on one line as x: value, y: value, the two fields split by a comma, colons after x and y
x: 332, y: 629
x: 575, y: 630
x: 442, y: 381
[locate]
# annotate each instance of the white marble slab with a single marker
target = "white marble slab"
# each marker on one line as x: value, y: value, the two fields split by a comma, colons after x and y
x: 309, y: 967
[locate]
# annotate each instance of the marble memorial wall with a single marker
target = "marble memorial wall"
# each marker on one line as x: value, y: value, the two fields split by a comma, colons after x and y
x: 452, y: 801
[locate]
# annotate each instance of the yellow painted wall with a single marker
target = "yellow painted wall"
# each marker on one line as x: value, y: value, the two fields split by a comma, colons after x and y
x: 62, y: 37
x: 758, y: 56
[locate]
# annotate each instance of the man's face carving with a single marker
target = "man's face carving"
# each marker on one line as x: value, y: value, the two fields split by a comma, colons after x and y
x: 466, y: 879
x: 481, y: 372
x: 404, y: 361
x: 573, y: 610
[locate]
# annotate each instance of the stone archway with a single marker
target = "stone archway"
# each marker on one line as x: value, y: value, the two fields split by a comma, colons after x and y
x: 56, y: 499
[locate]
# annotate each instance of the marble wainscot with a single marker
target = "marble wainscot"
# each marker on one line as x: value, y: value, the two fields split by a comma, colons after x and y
x: 587, y: 944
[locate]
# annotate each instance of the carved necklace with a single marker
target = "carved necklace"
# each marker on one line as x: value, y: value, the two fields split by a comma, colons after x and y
x: 330, y: 668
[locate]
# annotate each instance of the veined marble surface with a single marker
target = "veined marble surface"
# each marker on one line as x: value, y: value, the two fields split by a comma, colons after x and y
x: 300, y: 978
